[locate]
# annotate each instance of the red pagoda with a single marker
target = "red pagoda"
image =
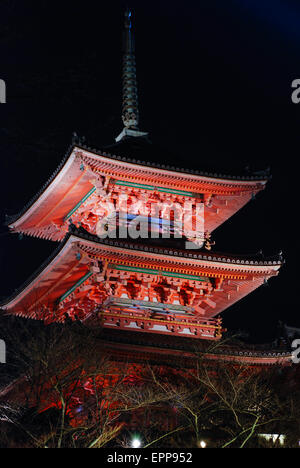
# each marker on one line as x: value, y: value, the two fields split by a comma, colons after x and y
x: 154, y: 295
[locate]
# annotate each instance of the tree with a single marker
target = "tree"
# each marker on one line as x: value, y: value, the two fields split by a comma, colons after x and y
x: 66, y: 389
x: 69, y: 392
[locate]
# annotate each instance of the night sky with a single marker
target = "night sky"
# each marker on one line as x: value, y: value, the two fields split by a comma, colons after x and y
x: 214, y: 88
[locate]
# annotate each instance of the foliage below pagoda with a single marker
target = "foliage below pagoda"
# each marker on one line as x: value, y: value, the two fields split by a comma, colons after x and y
x: 68, y: 392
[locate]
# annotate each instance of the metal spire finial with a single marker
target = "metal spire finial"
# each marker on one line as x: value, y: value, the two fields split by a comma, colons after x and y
x: 130, y: 111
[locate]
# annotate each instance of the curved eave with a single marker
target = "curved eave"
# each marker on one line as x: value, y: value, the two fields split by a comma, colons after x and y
x: 13, y: 218
x: 263, y: 177
x: 146, y: 348
x: 167, y: 175
x: 222, y: 261
x: 160, y: 257
x: 7, y: 303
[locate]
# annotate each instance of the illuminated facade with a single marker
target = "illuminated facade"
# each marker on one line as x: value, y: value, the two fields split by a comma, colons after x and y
x: 153, y: 285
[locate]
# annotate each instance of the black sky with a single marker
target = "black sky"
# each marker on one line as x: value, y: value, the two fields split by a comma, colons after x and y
x: 214, y: 87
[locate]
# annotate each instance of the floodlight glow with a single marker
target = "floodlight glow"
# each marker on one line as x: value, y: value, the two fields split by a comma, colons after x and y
x: 136, y: 443
x: 274, y: 438
x: 202, y: 444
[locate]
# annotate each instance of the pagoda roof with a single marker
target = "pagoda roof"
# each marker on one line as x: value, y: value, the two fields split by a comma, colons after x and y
x: 131, y: 168
x: 71, y: 260
x: 173, y: 350
x: 145, y: 152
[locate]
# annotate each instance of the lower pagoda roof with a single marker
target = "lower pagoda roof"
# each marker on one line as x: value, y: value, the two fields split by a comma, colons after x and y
x: 171, y: 352
x: 176, y: 351
x: 72, y: 271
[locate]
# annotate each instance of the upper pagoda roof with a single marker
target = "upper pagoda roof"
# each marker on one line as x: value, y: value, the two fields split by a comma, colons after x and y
x: 71, y: 182
x: 145, y: 152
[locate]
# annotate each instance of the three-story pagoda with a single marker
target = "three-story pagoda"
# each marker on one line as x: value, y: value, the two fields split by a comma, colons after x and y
x: 151, y: 286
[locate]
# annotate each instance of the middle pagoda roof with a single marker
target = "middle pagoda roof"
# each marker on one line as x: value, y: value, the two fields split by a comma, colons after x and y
x: 73, y: 279
x: 71, y: 192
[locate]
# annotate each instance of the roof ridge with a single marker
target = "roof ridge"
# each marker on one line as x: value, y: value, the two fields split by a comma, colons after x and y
x: 73, y: 231
x: 278, y: 259
x: 38, y: 270
x: 256, y: 176
x: 12, y: 218
x: 77, y: 142
x: 184, y: 345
